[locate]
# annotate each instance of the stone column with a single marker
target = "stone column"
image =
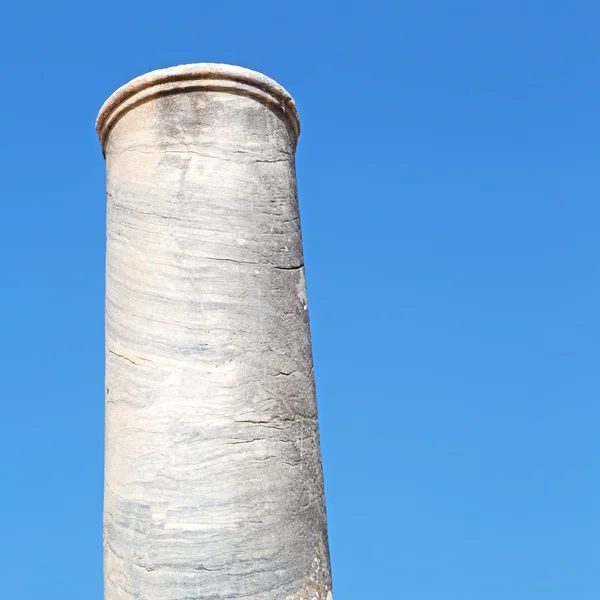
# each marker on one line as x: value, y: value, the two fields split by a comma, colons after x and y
x: 214, y: 487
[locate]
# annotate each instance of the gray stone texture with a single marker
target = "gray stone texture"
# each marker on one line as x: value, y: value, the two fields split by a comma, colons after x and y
x: 213, y: 484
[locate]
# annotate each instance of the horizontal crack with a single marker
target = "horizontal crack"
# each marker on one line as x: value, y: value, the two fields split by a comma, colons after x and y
x: 129, y: 359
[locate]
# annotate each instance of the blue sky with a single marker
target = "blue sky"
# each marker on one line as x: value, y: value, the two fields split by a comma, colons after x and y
x: 449, y: 184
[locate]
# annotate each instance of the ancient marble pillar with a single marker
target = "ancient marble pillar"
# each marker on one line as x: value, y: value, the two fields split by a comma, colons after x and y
x: 214, y: 487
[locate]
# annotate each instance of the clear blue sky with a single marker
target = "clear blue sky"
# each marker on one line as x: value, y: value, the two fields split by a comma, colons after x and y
x: 450, y: 194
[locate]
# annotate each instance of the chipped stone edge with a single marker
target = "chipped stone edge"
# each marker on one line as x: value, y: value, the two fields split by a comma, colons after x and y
x: 199, y: 76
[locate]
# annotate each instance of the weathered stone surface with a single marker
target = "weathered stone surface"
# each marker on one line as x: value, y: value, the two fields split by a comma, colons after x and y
x: 214, y: 486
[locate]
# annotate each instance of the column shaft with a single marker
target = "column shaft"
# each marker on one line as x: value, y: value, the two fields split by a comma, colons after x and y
x: 214, y: 485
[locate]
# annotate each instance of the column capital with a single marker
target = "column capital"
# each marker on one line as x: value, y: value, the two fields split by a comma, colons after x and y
x: 194, y: 77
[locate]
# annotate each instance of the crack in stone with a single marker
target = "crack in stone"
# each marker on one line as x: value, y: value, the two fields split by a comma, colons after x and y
x: 129, y: 359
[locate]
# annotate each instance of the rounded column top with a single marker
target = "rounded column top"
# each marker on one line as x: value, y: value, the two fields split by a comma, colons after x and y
x: 199, y: 76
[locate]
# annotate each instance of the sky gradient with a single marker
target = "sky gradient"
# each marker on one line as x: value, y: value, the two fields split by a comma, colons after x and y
x: 449, y: 183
